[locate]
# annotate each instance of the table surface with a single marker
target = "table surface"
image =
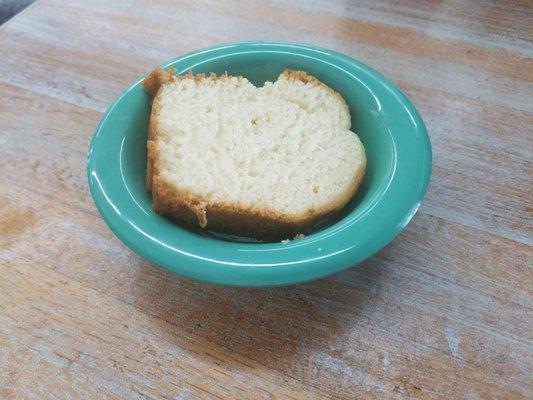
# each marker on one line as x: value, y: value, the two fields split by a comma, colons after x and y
x: 444, y: 311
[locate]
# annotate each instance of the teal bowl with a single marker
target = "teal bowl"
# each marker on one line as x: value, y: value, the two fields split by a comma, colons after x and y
x: 398, y: 171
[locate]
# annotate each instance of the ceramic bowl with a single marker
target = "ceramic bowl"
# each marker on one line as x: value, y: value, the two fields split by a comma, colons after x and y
x: 398, y: 171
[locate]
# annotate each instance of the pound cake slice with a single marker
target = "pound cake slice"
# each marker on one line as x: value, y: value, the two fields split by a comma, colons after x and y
x: 265, y: 162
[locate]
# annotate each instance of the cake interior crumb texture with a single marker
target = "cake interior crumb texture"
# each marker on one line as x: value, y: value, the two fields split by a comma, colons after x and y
x: 283, y: 150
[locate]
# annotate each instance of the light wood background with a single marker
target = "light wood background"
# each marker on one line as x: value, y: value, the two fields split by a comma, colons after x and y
x: 443, y: 312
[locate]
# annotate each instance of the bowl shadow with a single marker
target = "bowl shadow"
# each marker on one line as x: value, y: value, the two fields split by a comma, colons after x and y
x: 282, y: 327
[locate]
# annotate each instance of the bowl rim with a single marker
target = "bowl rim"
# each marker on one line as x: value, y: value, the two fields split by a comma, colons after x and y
x: 274, y: 264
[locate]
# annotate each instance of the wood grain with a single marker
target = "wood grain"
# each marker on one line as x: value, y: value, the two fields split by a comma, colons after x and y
x: 444, y: 311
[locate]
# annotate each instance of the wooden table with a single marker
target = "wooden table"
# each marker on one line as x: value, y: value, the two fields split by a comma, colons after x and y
x: 443, y: 312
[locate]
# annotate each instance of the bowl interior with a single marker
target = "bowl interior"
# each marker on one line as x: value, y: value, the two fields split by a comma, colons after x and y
x: 259, y: 67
